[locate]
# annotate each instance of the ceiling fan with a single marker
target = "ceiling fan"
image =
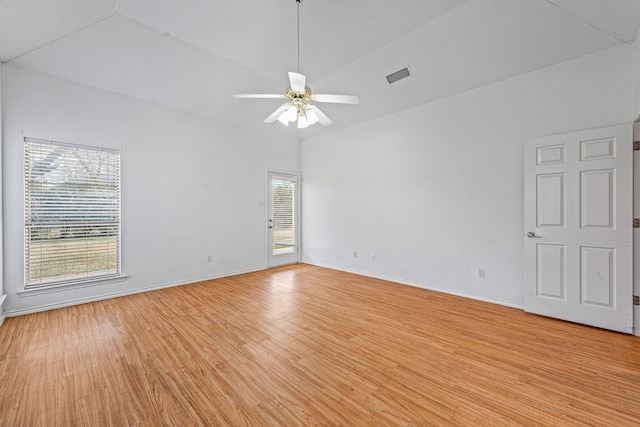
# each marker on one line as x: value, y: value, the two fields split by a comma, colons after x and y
x: 300, y: 105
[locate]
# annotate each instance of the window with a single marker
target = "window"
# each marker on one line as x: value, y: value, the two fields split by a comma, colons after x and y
x: 283, y: 224
x: 72, y: 213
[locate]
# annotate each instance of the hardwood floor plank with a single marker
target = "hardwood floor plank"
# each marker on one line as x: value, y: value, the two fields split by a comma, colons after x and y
x: 303, y: 345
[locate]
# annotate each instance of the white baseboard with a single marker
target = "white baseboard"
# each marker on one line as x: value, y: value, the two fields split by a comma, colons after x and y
x: 416, y: 285
x: 45, y: 307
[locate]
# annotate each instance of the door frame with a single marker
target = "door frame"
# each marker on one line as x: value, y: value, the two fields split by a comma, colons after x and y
x: 636, y: 231
x: 267, y: 212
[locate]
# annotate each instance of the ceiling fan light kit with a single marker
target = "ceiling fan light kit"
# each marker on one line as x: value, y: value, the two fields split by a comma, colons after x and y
x: 300, y: 100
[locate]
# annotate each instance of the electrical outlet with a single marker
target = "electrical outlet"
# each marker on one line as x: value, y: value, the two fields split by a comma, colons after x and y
x: 481, y: 273
x: 210, y: 258
x: 372, y: 257
x: 355, y: 254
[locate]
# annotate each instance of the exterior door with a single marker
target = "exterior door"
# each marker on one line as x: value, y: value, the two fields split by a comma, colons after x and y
x: 578, y: 223
x: 282, y: 222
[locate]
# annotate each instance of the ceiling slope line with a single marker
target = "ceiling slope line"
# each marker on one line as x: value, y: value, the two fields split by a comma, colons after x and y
x: 62, y: 37
x: 390, y: 42
x: 584, y: 21
x: 164, y: 33
x: 151, y: 29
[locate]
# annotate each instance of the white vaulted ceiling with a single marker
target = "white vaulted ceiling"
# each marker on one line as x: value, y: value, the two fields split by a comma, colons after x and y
x: 193, y: 54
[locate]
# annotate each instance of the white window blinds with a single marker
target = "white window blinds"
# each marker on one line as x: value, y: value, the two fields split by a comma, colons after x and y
x: 72, y: 213
x: 283, y: 217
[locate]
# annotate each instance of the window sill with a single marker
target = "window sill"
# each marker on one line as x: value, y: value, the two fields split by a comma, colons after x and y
x: 71, y: 285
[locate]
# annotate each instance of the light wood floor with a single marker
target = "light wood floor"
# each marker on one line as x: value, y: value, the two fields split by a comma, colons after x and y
x: 303, y: 345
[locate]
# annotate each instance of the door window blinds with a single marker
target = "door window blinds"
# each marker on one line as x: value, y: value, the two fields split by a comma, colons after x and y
x: 283, y: 193
x: 72, y: 213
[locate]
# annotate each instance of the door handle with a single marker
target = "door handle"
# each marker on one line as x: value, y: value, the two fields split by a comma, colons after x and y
x: 532, y: 235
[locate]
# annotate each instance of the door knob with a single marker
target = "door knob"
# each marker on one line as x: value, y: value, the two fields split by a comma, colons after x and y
x: 532, y: 235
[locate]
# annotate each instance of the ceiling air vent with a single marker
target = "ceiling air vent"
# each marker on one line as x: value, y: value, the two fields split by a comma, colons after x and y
x: 398, y: 75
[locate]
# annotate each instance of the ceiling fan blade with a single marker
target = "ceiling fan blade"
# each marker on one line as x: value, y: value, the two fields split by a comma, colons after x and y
x: 258, y: 95
x: 337, y: 99
x: 274, y: 116
x: 298, y: 82
x: 322, y: 117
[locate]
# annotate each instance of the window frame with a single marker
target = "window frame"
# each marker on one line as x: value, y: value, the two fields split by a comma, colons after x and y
x: 86, y: 277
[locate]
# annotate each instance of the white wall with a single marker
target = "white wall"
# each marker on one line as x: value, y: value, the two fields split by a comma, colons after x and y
x: 191, y: 186
x: 636, y: 77
x: 436, y: 192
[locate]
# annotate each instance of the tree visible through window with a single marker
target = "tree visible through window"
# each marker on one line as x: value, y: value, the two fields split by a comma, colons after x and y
x: 72, y: 212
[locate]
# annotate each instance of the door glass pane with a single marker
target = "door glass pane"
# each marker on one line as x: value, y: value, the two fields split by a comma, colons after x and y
x: 283, y: 219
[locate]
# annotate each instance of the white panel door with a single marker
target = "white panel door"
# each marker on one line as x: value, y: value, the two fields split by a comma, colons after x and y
x: 578, y: 220
x: 282, y: 223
